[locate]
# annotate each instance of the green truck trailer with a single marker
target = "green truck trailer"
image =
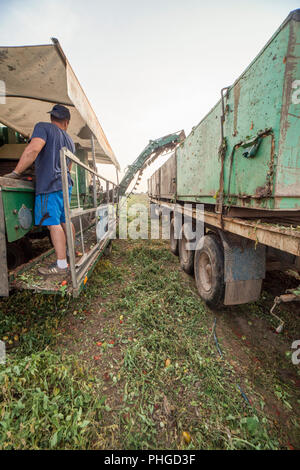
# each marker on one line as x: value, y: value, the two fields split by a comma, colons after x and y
x: 242, y: 162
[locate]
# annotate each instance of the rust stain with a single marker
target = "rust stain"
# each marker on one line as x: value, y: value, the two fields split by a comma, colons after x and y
x: 266, y: 191
x: 290, y: 66
x: 237, y: 93
x: 262, y: 192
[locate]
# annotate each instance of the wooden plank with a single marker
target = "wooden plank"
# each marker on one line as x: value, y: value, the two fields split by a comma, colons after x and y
x: 4, y: 287
x: 11, y: 183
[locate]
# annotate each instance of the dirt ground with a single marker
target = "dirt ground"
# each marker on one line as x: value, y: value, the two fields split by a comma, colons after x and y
x: 259, y: 357
x: 138, y: 361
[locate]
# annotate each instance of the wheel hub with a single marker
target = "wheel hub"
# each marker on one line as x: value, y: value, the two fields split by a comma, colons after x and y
x: 205, y: 271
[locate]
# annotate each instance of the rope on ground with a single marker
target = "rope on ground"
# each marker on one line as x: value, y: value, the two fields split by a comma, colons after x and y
x: 221, y: 355
x: 216, y: 339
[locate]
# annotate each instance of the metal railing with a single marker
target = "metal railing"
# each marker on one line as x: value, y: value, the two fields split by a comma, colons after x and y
x: 80, y: 269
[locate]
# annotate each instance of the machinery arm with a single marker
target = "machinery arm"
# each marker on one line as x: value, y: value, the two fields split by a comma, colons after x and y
x: 148, y: 155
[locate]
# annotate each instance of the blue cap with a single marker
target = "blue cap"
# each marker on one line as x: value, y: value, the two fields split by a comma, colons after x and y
x: 60, y: 112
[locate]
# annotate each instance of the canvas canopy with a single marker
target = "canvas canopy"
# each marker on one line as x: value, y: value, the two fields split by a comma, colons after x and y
x: 37, y: 77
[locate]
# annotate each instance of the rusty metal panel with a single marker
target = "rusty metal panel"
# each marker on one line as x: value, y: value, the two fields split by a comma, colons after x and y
x: 287, y: 186
x: 198, y: 166
x: 242, y: 292
x: 261, y: 168
x: 151, y: 186
x: 155, y: 184
x: 168, y: 178
x: 150, y: 183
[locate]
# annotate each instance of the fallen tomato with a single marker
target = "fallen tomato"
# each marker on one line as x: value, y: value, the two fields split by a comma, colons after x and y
x: 186, y: 437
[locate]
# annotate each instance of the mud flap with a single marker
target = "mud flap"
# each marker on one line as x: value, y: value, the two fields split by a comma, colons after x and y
x: 244, y: 269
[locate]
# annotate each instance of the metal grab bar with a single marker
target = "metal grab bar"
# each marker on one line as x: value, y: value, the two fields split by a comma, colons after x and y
x: 79, y: 271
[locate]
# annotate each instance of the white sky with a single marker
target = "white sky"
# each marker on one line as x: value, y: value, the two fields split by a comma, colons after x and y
x: 148, y: 67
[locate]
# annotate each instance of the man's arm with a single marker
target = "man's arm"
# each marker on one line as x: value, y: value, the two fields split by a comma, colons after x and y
x: 29, y: 155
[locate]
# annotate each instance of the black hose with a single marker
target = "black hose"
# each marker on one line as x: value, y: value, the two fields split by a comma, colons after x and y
x: 221, y: 355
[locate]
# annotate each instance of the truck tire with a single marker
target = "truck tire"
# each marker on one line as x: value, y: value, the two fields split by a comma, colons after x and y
x: 173, y: 241
x: 209, y: 271
x: 27, y: 249
x: 108, y: 249
x: 186, y: 257
x: 15, y: 255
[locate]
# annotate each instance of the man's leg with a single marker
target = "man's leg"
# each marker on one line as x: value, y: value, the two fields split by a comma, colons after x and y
x: 63, y: 224
x: 59, y: 241
x: 53, y: 204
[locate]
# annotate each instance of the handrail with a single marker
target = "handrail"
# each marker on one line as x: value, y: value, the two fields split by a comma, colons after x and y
x: 76, y: 160
x: 78, y: 271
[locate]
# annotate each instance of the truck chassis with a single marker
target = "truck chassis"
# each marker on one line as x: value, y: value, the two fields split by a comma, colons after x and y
x: 243, y: 246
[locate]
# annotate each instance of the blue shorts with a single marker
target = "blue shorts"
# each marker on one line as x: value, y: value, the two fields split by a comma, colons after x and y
x: 49, y: 208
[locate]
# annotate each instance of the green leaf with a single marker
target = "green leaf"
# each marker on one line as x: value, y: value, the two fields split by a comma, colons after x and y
x: 53, y: 440
x: 252, y: 425
x: 85, y: 423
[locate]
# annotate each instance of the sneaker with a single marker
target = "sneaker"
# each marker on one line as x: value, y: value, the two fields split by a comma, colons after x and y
x: 52, y: 269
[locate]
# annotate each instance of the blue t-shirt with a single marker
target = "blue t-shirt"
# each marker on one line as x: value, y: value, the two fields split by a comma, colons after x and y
x: 47, y: 163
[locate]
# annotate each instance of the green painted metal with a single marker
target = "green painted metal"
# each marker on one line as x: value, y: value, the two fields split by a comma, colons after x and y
x: 14, y: 199
x: 153, y: 149
x: 85, y: 195
x: 258, y: 165
x: 9, y: 136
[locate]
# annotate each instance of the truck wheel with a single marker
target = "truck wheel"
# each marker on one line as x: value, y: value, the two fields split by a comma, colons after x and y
x: 27, y: 248
x: 209, y: 271
x: 186, y: 256
x: 15, y: 255
x: 108, y: 249
x: 173, y: 241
